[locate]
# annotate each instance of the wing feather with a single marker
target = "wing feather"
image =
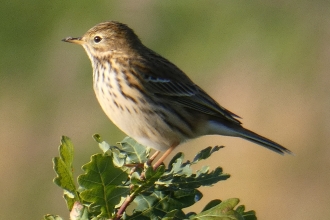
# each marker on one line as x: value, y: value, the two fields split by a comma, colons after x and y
x: 190, y: 96
x: 164, y: 79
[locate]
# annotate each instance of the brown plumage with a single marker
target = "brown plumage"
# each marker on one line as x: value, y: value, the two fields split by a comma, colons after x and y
x: 151, y: 99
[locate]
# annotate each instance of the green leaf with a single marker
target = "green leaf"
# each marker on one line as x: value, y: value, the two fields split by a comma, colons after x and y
x: 180, y: 199
x: 211, y: 204
x: 177, y: 167
x: 206, y: 153
x: 162, y: 203
x: 145, y: 202
x: 240, y: 209
x: 180, y: 175
x: 52, y: 217
x: 151, y: 176
x: 223, y: 211
x: 119, y: 158
x: 139, y: 216
x: 148, y: 206
x: 104, y: 146
x: 97, y: 138
x: 175, y: 215
x: 69, y: 201
x: 63, y: 167
x: 202, y: 178
x: 206, y: 178
x: 135, y: 152
x: 102, y: 185
x: 159, y: 194
x: 249, y: 215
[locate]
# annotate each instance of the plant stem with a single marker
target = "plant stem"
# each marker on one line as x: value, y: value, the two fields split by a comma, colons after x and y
x: 123, y: 207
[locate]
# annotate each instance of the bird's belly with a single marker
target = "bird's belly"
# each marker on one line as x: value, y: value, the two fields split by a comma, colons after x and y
x: 137, y: 119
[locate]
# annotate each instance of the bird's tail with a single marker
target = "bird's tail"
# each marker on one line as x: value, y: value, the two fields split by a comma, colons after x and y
x: 265, y: 142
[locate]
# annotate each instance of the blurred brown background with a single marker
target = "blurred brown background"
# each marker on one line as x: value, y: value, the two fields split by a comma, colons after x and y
x: 267, y: 61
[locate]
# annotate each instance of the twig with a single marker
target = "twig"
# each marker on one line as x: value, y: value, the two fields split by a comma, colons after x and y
x: 123, y: 207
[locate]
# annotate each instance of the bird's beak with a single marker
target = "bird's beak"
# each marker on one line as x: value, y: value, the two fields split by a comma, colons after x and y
x: 75, y: 40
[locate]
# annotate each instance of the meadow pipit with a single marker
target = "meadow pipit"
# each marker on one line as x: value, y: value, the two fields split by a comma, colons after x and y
x: 151, y: 99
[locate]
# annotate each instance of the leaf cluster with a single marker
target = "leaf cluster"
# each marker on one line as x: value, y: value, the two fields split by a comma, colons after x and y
x: 119, y: 179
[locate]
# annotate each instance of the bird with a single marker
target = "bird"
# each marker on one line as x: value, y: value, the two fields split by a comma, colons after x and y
x: 149, y: 98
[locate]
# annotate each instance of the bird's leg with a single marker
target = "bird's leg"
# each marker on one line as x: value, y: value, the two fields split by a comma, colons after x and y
x: 163, y: 157
x: 152, y: 157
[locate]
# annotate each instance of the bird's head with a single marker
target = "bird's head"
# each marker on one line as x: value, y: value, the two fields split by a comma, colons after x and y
x: 107, y: 37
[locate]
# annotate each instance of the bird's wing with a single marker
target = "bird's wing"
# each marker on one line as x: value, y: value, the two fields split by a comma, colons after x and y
x: 175, y: 86
x: 190, y: 96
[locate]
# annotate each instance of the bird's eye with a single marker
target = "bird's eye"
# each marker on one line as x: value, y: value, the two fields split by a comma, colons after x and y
x: 97, y: 39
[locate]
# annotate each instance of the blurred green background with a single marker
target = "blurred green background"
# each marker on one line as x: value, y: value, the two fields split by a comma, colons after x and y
x: 267, y: 61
